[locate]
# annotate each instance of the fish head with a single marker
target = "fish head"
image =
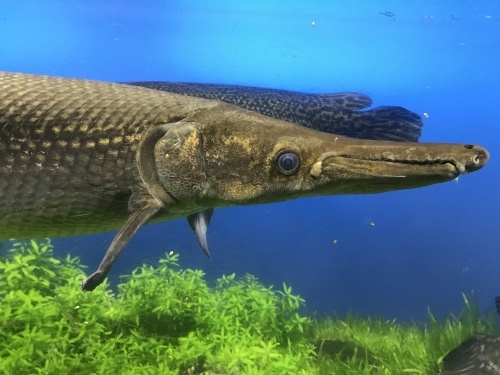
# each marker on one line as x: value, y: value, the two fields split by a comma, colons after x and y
x: 225, y: 156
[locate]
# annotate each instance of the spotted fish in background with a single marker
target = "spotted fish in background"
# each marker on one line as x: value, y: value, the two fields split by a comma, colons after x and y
x: 79, y: 156
x: 332, y: 113
x: 478, y: 355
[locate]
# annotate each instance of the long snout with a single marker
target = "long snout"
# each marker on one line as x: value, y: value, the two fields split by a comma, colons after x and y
x: 356, y: 166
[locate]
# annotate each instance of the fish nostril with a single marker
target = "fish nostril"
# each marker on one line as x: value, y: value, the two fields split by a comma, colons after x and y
x: 480, y: 158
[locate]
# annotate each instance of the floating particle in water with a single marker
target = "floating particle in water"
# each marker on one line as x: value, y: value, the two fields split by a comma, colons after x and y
x: 171, y: 253
x: 313, y: 24
x: 77, y: 307
x: 335, y: 242
x: 372, y: 224
x: 426, y: 115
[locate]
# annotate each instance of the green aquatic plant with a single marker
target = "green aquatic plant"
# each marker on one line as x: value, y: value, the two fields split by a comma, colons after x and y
x: 167, y: 320
x: 43, y: 317
x: 414, y: 348
x: 163, y: 319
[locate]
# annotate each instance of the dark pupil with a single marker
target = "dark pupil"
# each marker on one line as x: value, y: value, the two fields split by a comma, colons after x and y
x: 288, y: 162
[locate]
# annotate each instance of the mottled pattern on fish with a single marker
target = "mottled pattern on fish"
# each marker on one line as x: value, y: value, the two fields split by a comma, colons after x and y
x: 478, y: 355
x: 333, y: 113
x: 68, y: 149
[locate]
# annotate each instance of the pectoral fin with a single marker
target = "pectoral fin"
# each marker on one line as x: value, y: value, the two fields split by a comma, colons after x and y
x: 199, y: 224
x: 142, y: 207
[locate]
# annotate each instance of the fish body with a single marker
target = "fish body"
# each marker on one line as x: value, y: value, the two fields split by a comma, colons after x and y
x: 68, y: 152
x: 81, y: 157
x: 337, y: 113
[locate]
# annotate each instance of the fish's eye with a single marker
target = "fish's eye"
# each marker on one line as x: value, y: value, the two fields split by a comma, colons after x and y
x: 287, y: 162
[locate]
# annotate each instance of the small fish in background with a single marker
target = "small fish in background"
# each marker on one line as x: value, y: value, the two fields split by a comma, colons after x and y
x: 335, y: 242
x: 497, y: 304
x: 426, y: 115
x: 372, y: 224
x: 384, y: 123
x: 313, y: 24
x: 387, y: 14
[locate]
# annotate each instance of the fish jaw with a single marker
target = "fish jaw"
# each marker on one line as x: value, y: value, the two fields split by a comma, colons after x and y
x: 361, y: 167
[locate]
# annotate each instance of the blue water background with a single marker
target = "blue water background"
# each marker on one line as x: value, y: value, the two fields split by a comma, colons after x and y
x: 427, y: 246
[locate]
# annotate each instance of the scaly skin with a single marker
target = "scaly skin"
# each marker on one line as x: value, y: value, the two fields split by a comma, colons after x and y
x: 68, y: 151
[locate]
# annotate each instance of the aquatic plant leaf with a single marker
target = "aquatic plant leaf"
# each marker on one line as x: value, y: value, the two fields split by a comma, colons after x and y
x: 164, y: 319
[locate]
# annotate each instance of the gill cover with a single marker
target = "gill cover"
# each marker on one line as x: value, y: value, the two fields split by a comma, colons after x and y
x: 179, y: 160
x: 180, y: 166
